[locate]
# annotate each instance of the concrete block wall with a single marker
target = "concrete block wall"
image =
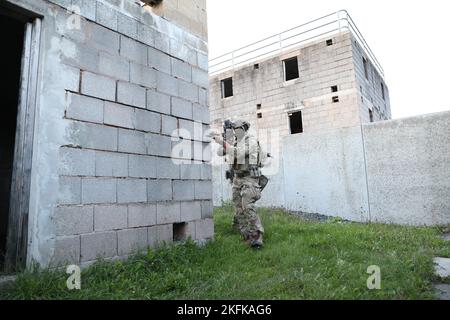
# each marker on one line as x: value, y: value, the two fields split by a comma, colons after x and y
x: 370, y: 96
x: 116, y: 94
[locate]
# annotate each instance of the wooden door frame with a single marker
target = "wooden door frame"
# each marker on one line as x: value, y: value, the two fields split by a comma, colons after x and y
x: 17, y: 236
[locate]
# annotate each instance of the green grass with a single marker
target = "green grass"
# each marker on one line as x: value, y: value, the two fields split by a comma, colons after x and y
x: 301, y: 260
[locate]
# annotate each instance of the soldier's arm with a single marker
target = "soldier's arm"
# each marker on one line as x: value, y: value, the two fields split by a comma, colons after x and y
x: 252, y: 150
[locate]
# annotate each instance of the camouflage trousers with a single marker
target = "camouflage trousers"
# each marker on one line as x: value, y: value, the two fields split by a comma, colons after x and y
x: 246, y: 191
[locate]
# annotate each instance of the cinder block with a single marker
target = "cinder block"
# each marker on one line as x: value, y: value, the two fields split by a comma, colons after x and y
x: 181, y: 70
x: 182, y: 150
x: 203, y: 96
x: 108, y: 164
x: 167, y: 213
x: 159, y: 190
x: 106, y: 16
x: 71, y: 78
x: 87, y: 8
x: 132, y: 240
x: 162, y: 42
x: 207, y: 209
x: 67, y: 251
x: 77, y: 162
x: 108, y: 218
x: 133, y: 50
x: 148, y: 121
x: 204, y: 229
x: 146, y: 34
x: 85, y: 58
x: 201, y: 113
x: 131, y: 190
x: 98, y: 86
x: 119, y: 115
x: 190, y: 230
x: 169, y: 125
x: 202, y: 61
x: 132, y: 142
x: 181, y: 108
x: 142, y: 166
x: 114, y: 66
x: 167, y: 169
x: 73, y: 220
x: 69, y: 190
x: 198, y: 131
x: 183, y: 52
x: 191, y: 211
x: 98, y: 190
x: 207, y: 152
x: 93, y: 136
x: 159, y: 60
x: 97, y: 245
x: 160, y: 234
x: 158, y: 145
x: 186, y: 129
x: 198, y: 150
x: 158, y: 102
x: 183, y: 190
x: 141, y: 215
x: 187, y: 91
x: 103, y: 39
x: 127, y: 26
x: 143, y: 75
x: 190, y: 171
x: 203, y: 190
x: 84, y: 108
x: 167, y: 84
x: 200, y: 78
x: 131, y: 94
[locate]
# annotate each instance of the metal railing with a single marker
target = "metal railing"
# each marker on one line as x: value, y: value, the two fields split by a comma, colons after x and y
x: 291, y: 39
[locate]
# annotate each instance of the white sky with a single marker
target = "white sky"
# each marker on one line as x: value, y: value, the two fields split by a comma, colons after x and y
x: 411, y: 39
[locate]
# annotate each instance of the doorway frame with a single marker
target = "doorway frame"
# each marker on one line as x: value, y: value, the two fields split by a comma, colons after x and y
x: 17, y: 235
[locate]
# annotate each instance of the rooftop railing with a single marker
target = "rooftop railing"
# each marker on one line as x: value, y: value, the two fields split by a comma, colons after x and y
x: 291, y: 39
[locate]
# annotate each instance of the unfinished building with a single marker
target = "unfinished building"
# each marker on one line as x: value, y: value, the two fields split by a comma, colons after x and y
x: 318, y: 76
x: 97, y: 92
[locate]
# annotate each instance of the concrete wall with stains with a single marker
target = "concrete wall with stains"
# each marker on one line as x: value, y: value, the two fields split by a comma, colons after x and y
x: 394, y: 171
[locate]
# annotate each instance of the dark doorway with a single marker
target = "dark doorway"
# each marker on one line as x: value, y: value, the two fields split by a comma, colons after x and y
x: 296, y: 122
x: 12, y: 35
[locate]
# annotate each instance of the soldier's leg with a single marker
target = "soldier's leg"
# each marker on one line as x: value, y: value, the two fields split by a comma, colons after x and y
x: 251, y: 226
x: 237, y: 200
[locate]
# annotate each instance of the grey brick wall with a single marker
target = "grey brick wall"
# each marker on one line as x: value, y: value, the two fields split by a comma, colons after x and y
x: 122, y: 89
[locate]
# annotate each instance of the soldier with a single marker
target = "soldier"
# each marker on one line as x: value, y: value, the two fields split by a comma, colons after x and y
x: 246, y: 158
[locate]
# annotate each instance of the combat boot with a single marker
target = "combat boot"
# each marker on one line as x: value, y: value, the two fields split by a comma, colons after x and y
x: 257, y: 242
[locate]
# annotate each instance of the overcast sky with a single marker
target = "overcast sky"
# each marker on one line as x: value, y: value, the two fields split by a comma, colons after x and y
x: 411, y: 39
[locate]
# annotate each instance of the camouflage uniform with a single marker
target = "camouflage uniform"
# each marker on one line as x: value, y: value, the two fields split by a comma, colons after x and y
x: 245, y: 157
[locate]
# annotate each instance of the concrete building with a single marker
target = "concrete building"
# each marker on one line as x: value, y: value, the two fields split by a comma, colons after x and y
x: 321, y: 75
x: 100, y: 93
x: 311, y: 94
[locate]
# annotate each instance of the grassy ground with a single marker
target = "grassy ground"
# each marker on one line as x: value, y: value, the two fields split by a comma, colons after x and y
x: 301, y: 260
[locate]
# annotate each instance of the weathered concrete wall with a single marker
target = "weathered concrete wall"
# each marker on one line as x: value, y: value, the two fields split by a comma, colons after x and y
x: 370, y: 96
x: 391, y: 172
x: 118, y: 86
x: 325, y: 173
x: 408, y: 170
